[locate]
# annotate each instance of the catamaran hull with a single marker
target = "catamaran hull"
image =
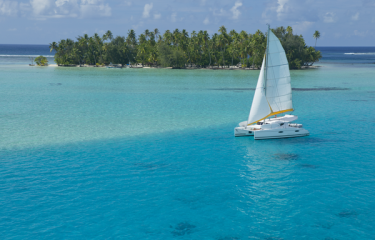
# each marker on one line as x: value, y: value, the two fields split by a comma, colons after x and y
x: 242, y: 132
x: 280, y: 133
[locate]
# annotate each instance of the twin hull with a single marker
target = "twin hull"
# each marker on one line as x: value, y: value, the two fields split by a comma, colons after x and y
x: 271, y: 133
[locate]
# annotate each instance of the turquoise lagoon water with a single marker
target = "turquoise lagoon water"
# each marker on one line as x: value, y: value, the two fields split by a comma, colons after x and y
x: 150, y: 154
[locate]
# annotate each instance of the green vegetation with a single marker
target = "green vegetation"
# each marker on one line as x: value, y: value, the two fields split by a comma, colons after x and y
x: 316, y: 35
x: 177, y: 49
x: 41, y: 61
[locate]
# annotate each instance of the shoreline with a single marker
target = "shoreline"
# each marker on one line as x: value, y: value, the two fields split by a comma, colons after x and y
x: 186, y: 68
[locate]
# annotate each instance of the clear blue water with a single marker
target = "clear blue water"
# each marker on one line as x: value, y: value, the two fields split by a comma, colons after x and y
x: 14, y: 54
x: 348, y: 55
x: 150, y: 154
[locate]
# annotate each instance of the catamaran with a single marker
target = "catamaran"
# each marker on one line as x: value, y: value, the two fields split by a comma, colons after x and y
x: 273, y: 96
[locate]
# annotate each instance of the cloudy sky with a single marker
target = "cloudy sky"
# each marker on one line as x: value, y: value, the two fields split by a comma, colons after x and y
x: 340, y: 22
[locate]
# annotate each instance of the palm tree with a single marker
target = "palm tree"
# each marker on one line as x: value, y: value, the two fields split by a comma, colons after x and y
x: 289, y: 29
x: 316, y: 35
x: 92, y: 45
x: 99, y: 45
x: 109, y: 35
x: 244, y: 42
x: 206, y: 39
x: 131, y: 41
x: 176, y: 37
x: 223, y: 39
x: 156, y: 32
x: 131, y: 38
x: 147, y: 33
x: 168, y: 37
x: 53, y: 46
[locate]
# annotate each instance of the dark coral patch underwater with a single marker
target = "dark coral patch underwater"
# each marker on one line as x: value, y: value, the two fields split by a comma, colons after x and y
x: 285, y: 156
x: 183, y: 228
x: 347, y: 214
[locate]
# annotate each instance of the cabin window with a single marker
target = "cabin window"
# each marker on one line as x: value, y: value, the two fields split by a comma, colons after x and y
x: 281, y: 124
x: 297, y: 131
x: 250, y: 132
x: 281, y: 132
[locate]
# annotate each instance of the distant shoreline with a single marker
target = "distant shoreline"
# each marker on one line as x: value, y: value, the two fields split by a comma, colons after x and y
x: 185, y: 68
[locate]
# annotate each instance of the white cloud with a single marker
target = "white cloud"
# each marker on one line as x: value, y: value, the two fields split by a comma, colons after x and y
x: 92, y: 9
x: 140, y: 24
x: 337, y: 35
x: 219, y: 13
x: 355, y: 16
x: 282, y: 7
x: 93, y: 2
x: 206, y: 21
x: 157, y: 16
x: 44, y: 9
x: 40, y: 6
x: 235, y: 11
x: 146, y: 10
x: 292, y: 11
x: 128, y: 3
x: 329, y: 17
x: 9, y: 8
x: 301, y: 26
x: 359, y: 33
x: 174, y: 17
x: 59, y: 3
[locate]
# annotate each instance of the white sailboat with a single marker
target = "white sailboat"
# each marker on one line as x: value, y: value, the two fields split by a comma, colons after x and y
x: 273, y: 96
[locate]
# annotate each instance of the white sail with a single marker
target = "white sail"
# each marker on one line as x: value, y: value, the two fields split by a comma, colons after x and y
x: 273, y: 94
x: 259, y: 107
x: 278, y: 88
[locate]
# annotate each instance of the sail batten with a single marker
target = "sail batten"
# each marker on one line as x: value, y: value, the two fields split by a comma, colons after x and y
x: 273, y: 94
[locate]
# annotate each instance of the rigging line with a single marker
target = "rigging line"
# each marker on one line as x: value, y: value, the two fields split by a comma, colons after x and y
x: 279, y: 65
x: 280, y: 78
x: 283, y: 95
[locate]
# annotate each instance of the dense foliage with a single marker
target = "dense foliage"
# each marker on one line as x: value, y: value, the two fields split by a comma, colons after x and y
x: 41, y: 61
x: 178, y: 49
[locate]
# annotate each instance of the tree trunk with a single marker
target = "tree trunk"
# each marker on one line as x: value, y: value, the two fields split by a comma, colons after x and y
x: 222, y: 54
x: 209, y: 53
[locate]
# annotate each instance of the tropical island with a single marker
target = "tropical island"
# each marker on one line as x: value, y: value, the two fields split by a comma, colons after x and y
x: 179, y: 50
x: 41, y: 61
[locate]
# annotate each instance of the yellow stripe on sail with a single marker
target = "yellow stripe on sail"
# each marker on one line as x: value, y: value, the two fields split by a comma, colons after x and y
x: 271, y: 114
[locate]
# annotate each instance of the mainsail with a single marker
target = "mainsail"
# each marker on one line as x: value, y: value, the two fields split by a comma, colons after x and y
x: 273, y: 94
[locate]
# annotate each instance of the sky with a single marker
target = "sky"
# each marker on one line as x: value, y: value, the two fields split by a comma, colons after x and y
x: 340, y: 22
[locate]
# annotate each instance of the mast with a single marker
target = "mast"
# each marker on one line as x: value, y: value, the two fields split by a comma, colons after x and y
x: 267, y: 51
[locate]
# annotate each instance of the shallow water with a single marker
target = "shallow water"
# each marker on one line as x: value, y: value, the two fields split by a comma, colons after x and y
x: 150, y: 154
